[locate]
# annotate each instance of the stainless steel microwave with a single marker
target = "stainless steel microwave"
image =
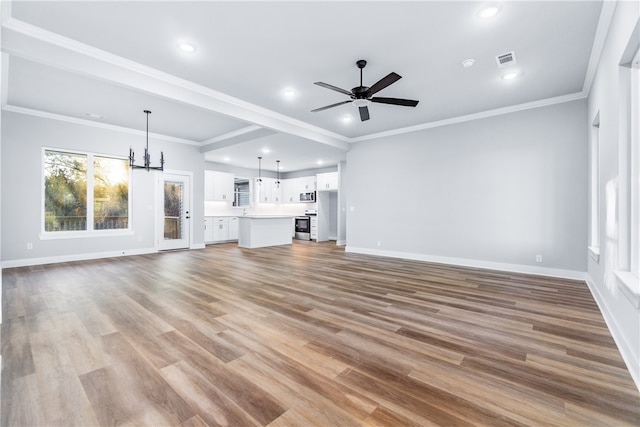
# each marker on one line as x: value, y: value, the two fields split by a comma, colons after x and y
x: 309, y: 197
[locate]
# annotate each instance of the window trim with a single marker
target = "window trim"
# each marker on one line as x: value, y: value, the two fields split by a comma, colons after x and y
x: 627, y: 274
x: 594, y: 189
x: 89, y: 233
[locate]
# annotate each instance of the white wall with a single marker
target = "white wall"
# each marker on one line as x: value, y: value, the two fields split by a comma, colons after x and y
x: 607, y: 96
x: 23, y: 137
x: 492, y: 192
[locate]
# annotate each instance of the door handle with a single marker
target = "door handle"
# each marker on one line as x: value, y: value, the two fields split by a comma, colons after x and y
x: 187, y: 215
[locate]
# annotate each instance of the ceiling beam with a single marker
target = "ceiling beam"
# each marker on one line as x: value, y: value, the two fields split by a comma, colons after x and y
x: 248, y: 133
x: 39, y: 45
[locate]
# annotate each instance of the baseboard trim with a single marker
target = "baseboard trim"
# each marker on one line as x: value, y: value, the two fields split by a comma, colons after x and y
x: 76, y: 257
x: 626, y: 351
x: 486, y: 265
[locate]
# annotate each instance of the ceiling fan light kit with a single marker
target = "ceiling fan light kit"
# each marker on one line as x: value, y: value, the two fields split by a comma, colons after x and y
x: 362, y: 95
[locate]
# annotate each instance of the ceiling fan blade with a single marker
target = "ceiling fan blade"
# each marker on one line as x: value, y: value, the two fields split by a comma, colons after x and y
x: 331, y: 106
x: 382, y: 83
x: 364, y: 113
x: 332, y: 87
x: 395, y: 101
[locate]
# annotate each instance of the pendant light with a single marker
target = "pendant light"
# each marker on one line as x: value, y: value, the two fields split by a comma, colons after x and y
x: 278, y: 173
x: 259, y: 170
x: 147, y: 156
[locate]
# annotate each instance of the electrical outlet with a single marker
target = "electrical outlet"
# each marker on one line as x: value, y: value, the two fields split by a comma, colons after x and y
x: 538, y: 258
x: 29, y: 245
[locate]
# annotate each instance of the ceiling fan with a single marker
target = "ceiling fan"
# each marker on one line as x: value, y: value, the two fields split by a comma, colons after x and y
x: 362, y: 95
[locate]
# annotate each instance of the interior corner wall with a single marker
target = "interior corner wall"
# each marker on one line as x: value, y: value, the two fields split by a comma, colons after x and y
x: 23, y: 138
x: 496, y: 191
x: 605, y: 98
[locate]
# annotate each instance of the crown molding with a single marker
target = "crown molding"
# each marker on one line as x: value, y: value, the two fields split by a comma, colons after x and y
x: 475, y: 116
x: 91, y: 123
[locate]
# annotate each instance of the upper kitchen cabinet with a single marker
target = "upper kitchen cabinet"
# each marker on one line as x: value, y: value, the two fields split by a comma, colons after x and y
x: 291, y: 190
x: 266, y: 191
x: 218, y: 186
x: 327, y: 181
x: 306, y: 184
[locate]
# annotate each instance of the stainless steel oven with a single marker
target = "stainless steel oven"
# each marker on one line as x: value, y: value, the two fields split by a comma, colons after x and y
x: 303, y: 228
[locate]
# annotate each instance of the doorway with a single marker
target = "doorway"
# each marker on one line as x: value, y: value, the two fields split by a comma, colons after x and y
x: 175, y: 208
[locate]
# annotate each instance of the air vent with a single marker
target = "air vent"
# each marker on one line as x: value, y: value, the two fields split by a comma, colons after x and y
x: 505, y: 59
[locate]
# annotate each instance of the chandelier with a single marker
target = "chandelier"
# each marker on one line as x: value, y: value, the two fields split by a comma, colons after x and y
x: 147, y: 156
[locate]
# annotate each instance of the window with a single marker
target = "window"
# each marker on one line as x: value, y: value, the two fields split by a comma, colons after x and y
x: 242, y: 192
x: 628, y: 273
x: 84, y: 192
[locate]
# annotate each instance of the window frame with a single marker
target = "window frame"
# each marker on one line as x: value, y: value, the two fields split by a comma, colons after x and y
x: 594, y: 189
x: 634, y: 178
x: 90, y: 231
x: 629, y: 167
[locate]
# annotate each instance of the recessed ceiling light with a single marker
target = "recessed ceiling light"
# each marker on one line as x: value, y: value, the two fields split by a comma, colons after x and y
x: 510, y: 75
x: 468, y: 62
x: 319, y: 162
x: 289, y: 92
x: 266, y: 150
x: 489, y: 11
x: 226, y: 159
x: 187, y: 47
x: 94, y: 115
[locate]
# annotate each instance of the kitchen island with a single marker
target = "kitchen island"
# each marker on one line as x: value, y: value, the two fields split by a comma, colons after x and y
x: 258, y: 231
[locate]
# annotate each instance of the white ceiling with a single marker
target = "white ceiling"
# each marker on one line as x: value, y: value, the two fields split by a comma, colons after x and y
x: 116, y: 59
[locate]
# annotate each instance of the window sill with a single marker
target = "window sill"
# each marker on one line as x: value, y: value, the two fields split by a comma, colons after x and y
x: 56, y: 235
x: 594, y: 251
x: 630, y: 286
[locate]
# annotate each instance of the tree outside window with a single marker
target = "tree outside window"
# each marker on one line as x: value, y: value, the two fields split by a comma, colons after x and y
x: 84, y: 192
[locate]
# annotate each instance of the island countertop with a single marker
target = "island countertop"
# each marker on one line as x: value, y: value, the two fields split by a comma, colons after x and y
x: 258, y: 231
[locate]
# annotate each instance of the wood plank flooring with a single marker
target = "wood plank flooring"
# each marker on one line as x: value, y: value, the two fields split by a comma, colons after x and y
x: 303, y: 335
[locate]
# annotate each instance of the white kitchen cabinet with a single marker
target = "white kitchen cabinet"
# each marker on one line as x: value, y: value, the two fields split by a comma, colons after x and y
x: 233, y: 228
x: 263, y: 190
x: 306, y: 184
x: 277, y: 192
x: 267, y: 191
x: 290, y: 192
x: 220, y: 229
x: 218, y: 186
x: 208, y: 229
x: 328, y: 181
x: 294, y: 186
x: 314, y: 228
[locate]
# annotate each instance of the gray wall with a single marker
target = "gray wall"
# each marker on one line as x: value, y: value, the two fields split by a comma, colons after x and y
x: 499, y: 190
x: 23, y: 137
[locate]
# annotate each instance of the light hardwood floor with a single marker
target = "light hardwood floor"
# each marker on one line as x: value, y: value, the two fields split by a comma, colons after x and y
x: 303, y: 335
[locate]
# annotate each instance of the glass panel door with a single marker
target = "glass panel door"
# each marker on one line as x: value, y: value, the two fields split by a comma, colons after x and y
x: 175, y: 212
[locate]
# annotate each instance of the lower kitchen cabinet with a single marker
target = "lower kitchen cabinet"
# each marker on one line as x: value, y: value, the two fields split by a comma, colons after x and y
x: 220, y: 229
x: 314, y: 228
x: 233, y: 228
x: 208, y: 229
